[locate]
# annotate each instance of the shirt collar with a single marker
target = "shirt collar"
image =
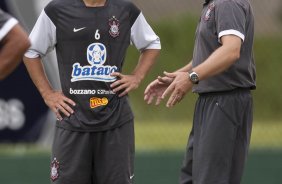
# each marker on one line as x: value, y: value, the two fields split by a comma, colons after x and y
x: 207, y: 2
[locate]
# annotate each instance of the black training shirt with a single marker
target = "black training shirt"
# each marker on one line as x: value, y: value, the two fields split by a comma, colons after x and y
x: 91, y: 43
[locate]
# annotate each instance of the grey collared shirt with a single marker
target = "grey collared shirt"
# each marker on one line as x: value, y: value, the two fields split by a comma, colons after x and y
x: 220, y: 18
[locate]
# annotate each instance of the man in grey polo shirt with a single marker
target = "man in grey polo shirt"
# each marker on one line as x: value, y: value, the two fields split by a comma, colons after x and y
x: 13, y: 43
x: 222, y: 72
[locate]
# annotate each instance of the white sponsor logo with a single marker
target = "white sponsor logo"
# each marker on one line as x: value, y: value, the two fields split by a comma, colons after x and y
x: 97, y: 71
x: 131, y: 177
x: 79, y: 29
x: 90, y: 92
x: 11, y: 114
x: 82, y: 91
x: 105, y: 92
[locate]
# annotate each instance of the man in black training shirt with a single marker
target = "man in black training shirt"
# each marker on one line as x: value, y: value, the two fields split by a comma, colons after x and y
x: 94, y: 138
x: 222, y: 72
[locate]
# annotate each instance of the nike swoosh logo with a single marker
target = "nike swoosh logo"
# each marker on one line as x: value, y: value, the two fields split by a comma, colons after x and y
x: 79, y: 29
x: 131, y: 176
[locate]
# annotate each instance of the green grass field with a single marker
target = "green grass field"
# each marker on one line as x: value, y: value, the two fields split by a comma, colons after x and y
x: 157, y: 136
x: 152, y: 136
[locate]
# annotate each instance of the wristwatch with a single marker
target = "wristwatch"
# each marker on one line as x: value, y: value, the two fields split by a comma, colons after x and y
x: 194, y: 77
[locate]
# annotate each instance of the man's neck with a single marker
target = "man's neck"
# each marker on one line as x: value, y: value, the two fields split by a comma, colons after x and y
x: 94, y: 3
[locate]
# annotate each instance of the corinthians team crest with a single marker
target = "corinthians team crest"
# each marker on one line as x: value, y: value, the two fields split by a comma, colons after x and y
x: 114, y: 27
x: 54, y: 169
x: 209, y: 11
x: 97, y: 71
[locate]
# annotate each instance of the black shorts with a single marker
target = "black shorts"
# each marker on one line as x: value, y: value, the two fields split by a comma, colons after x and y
x: 93, y: 157
x: 219, y: 140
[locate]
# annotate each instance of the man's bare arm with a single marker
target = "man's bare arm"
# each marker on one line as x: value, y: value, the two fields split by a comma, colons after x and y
x: 55, y: 100
x: 15, y: 43
x: 219, y: 61
x: 128, y: 83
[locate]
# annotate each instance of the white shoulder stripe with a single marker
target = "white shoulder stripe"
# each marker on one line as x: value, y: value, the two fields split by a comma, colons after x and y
x: 143, y: 36
x: 231, y: 32
x: 7, y: 27
x: 43, y: 37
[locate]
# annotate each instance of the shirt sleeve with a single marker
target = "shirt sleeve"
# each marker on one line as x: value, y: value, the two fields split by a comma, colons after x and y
x: 142, y: 35
x: 230, y: 19
x: 6, y: 24
x: 42, y: 37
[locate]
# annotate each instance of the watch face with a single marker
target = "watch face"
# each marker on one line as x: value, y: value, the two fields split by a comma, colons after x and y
x: 194, y: 78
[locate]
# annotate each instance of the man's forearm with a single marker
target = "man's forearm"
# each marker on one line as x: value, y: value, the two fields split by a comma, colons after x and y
x: 186, y: 68
x: 146, y: 62
x: 37, y: 74
x: 221, y: 59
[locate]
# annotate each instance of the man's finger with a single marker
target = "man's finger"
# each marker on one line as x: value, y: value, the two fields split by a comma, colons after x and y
x: 60, y: 108
x: 116, y: 74
x: 148, y: 88
x: 125, y: 92
x: 171, y: 75
x: 120, y: 88
x: 147, y: 96
x: 67, y: 108
x: 158, y: 101
x: 169, y: 101
x: 173, y: 99
x: 59, y: 117
x: 57, y: 113
x: 117, y: 83
x: 165, y: 80
x: 180, y: 98
x: 162, y: 80
x: 69, y: 101
x: 150, y: 99
x: 168, y: 90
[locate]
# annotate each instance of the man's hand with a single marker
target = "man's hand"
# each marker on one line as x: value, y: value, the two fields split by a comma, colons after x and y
x: 125, y: 83
x: 178, y: 88
x: 156, y: 89
x: 59, y: 103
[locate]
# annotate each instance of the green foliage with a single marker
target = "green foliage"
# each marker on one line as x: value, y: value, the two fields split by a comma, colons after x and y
x: 177, y: 37
x: 267, y: 97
